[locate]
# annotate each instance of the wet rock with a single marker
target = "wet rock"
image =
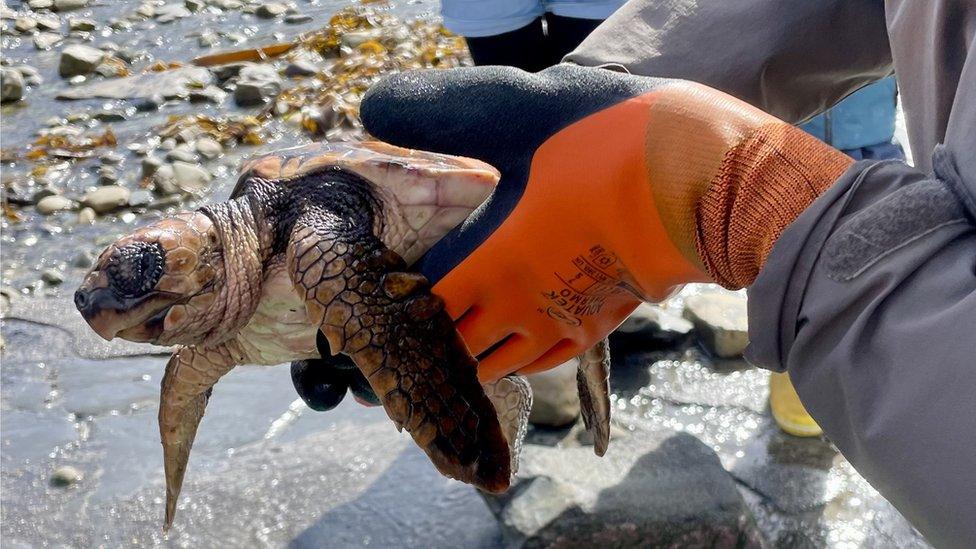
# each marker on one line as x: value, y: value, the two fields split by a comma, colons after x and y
x: 210, y: 94
x: 40, y: 4
x: 148, y: 104
x: 651, y: 327
x: 194, y: 5
x: 355, y: 39
x: 79, y: 60
x: 301, y: 67
x: 107, y: 199
x: 65, y: 475
x: 55, y: 203
x: 171, y: 12
x: 46, y: 40
x: 298, y: 18
x: 83, y: 25
x: 183, y: 154
x: 49, y: 22
x: 52, y: 277
x: 111, y: 158
x: 208, y: 148
x: 32, y: 77
x: 270, y: 10
x: 149, y: 165
x: 83, y: 260
x: 24, y: 25
x: 43, y: 192
x: 86, y: 216
x: 721, y: 322
x: 140, y: 198
x: 110, y: 115
x: 555, y: 398
x: 190, y: 177
x: 208, y: 39
x: 110, y: 47
x: 12, y: 85
x: 224, y: 73
x: 69, y: 5
x: 146, y: 10
x: 168, y: 144
x: 119, y: 24
x: 653, y: 489
x: 256, y: 84
x: 107, y: 175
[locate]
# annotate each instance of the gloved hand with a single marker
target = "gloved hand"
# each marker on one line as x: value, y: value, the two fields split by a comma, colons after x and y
x: 614, y: 189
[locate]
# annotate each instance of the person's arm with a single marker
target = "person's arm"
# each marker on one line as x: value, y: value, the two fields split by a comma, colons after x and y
x: 791, y: 58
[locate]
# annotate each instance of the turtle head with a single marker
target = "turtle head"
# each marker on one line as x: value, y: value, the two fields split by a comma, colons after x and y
x: 157, y: 284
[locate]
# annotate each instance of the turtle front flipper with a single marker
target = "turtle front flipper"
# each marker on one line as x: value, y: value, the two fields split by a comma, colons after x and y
x: 403, y: 341
x: 187, y: 383
x: 593, y: 384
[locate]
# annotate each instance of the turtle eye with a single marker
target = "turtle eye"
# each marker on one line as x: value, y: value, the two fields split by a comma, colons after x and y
x: 134, y: 269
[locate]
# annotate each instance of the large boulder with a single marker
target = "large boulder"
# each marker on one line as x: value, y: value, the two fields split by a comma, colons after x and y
x: 651, y: 489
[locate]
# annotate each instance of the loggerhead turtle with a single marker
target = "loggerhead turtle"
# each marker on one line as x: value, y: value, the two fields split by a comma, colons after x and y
x: 315, y: 241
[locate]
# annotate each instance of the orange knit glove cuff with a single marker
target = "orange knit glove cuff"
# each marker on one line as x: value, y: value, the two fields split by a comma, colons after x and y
x: 765, y: 183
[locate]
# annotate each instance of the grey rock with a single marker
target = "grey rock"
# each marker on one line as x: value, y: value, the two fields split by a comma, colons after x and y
x: 46, y: 40
x: 65, y: 475
x: 55, y: 203
x: 86, y: 216
x: 110, y: 47
x: 50, y: 22
x: 107, y: 175
x: 355, y: 39
x: 168, y: 144
x: 210, y: 94
x: 208, y: 39
x: 43, y: 193
x: 149, y: 165
x: 190, y: 177
x: 164, y: 180
x: 52, y: 277
x: 208, y: 148
x: 12, y: 85
x: 140, y: 198
x: 555, y: 398
x: 111, y: 115
x: 171, y: 12
x: 111, y: 158
x: 298, y: 18
x: 40, y: 4
x: 24, y: 25
x: 84, y: 259
x: 721, y: 322
x: 148, y: 104
x: 79, y: 60
x: 194, y: 5
x: 69, y: 5
x: 270, y: 10
x: 84, y: 25
x: 651, y: 326
x: 146, y: 10
x: 301, y: 67
x: 107, y: 199
x: 183, y: 154
x: 119, y: 24
x: 32, y: 77
x: 224, y: 73
x: 257, y: 84
x: 652, y: 489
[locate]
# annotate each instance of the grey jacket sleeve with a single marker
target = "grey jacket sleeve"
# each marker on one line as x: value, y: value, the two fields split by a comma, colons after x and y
x: 868, y: 300
x: 791, y: 58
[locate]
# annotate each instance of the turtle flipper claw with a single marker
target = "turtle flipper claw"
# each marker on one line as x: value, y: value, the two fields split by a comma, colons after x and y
x: 401, y: 338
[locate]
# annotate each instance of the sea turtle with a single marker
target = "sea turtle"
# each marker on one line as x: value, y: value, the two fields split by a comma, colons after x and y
x: 311, y: 252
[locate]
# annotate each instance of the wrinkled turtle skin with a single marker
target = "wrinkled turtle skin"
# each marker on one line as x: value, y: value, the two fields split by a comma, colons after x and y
x: 311, y: 252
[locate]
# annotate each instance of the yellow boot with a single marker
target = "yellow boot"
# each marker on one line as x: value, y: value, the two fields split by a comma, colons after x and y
x: 788, y: 411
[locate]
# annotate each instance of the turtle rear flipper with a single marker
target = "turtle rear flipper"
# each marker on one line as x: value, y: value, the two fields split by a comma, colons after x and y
x: 403, y: 341
x: 593, y: 384
x: 512, y: 398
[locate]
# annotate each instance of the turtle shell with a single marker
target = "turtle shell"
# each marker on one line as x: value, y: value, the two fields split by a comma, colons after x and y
x: 414, y: 177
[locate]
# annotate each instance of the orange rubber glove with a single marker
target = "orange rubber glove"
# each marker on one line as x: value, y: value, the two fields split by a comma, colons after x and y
x: 614, y: 189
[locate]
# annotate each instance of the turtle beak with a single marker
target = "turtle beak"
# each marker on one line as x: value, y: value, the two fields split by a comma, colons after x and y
x: 98, y: 305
